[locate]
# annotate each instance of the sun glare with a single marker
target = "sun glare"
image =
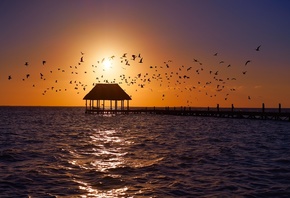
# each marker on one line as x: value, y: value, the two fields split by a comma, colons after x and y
x: 107, y: 63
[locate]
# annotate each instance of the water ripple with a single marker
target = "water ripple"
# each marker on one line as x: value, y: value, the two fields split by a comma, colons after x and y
x: 61, y: 152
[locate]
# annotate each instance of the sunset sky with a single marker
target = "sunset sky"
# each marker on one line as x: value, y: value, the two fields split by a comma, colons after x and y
x: 193, y: 52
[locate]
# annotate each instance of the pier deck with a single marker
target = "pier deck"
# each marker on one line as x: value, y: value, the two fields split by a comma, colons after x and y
x: 279, y: 116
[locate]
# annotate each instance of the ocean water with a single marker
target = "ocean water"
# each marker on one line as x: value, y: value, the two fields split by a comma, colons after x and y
x: 63, y: 152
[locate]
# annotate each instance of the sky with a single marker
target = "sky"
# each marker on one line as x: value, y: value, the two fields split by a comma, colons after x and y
x: 196, y: 53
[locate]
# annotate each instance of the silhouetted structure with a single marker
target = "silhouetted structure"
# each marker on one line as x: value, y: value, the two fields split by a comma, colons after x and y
x: 106, y: 92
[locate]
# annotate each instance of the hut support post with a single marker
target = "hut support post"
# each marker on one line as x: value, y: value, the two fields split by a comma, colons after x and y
x: 127, y: 104
x: 98, y: 106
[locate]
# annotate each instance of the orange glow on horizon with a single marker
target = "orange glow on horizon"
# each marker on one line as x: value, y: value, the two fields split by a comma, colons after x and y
x: 168, y: 83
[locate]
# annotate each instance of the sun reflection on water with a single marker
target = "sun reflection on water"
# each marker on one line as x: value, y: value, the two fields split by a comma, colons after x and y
x: 104, y: 154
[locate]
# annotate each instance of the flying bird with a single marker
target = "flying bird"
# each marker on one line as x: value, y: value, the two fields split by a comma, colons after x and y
x: 133, y: 57
x: 258, y: 48
x: 43, y: 62
x: 248, y: 61
x: 9, y: 77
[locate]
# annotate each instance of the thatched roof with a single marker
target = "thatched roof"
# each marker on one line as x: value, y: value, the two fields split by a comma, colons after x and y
x: 107, y: 92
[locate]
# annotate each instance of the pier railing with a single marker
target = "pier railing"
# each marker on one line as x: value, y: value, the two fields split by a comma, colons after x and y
x: 241, y: 113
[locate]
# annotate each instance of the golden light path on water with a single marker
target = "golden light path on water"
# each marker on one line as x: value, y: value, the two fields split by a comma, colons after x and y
x: 105, y: 157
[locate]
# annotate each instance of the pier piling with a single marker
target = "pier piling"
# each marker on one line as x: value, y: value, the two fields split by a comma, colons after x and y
x: 263, y: 107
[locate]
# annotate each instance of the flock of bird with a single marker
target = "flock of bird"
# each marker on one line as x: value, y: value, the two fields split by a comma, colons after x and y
x: 168, y: 77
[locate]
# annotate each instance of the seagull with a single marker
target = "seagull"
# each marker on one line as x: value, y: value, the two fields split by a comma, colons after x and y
x: 258, y: 48
x: 247, y: 62
x: 133, y: 57
x: 26, y: 64
x: 43, y: 62
x: 9, y: 77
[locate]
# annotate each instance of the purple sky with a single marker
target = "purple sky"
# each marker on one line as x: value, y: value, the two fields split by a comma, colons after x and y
x: 180, y: 30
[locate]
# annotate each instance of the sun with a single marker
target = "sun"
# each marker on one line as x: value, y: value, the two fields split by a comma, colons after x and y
x: 107, y: 63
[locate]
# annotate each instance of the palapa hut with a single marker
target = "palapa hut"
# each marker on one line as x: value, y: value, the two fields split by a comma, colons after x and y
x: 106, y: 92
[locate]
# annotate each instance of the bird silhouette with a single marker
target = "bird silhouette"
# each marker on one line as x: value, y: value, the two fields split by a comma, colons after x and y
x: 247, y: 62
x: 258, y: 48
x: 133, y: 57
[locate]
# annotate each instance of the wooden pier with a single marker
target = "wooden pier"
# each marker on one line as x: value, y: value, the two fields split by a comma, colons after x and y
x: 262, y: 114
x: 96, y: 98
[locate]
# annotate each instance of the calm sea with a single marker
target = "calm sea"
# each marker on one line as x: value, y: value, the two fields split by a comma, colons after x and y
x: 62, y: 152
